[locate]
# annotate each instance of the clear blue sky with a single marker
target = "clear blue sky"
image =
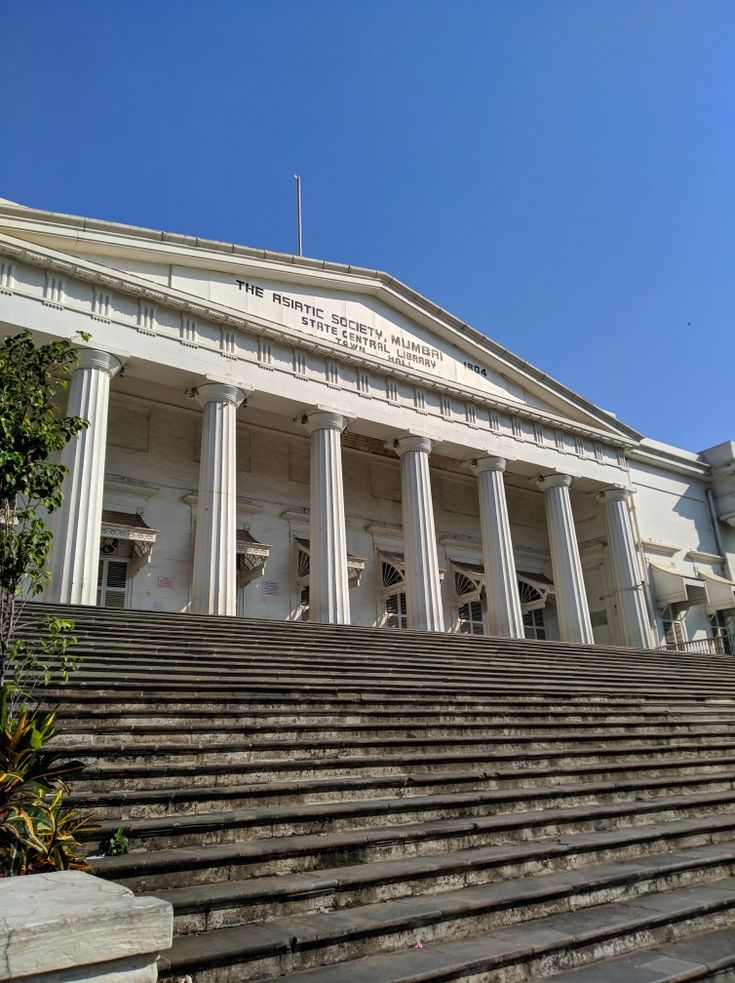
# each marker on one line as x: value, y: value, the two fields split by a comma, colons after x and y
x: 559, y: 173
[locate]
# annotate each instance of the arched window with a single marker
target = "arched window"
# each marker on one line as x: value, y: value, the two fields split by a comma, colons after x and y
x: 534, y: 591
x: 393, y: 584
x: 469, y: 589
x: 355, y: 566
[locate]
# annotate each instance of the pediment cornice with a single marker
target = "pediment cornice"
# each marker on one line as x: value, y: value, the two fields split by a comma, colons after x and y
x: 129, y: 284
x: 53, y: 228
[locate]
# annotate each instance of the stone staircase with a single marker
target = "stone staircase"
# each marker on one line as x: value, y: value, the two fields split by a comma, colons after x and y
x: 349, y: 805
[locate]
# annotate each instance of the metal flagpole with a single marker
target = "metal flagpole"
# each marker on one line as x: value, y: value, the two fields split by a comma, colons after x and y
x: 297, y: 178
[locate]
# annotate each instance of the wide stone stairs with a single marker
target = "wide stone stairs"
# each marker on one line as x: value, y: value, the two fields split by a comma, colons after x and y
x: 349, y: 805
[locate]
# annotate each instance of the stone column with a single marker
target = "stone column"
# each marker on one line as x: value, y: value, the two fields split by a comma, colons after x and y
x: 329, y: 593
x: 423, y: 591
x: 504, y: 614
x: 628, y: 584
x: 214, y: 588
x: 76, y: 546
x: 571, y: 598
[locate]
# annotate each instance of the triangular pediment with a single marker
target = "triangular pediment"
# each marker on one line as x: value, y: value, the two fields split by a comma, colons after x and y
x: 354, y: 311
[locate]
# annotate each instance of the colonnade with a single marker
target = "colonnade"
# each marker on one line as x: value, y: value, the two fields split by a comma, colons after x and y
x: 77, y: 525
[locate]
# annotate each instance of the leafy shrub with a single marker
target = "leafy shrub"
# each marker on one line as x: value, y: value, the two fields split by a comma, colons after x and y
x: 36, y: 832
x: 116, y: 844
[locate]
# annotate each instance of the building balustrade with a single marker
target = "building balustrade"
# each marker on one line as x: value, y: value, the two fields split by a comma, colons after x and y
x: 723, y: 644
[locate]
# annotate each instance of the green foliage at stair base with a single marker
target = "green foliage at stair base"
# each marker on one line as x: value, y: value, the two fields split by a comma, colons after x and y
x: 37, y: 832
x: 115, y: 845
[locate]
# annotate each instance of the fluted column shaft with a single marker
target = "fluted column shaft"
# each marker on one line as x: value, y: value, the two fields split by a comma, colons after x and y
x: 423, y: 590
x: 214, y: 588
x: 571, y: 597
x: 76, y: 546
x: 504, y: 614
x: 329, y: 594
x: 628, y: 584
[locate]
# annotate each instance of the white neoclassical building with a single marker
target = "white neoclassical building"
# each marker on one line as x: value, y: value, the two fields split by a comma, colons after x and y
x: 279, y: 437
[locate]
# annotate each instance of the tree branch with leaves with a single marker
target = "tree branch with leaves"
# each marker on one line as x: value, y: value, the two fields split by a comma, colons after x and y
x: 33, y: 432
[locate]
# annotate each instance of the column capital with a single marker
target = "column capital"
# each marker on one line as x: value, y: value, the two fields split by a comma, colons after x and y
x: 219, y: 392
x: 481, y: 464
x: 93, y: 358
x: 616, y: 494
x: 324, y: 420
x: 546, y: 481
x: 412, y: 442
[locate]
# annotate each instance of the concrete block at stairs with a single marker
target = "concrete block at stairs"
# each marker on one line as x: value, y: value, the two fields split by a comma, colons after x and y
x: 66, y: 926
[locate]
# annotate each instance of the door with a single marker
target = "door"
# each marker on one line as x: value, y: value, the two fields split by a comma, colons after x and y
x: 112, y: 582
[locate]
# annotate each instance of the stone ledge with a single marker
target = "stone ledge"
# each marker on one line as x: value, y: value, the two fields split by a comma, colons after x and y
x: 68, y: 925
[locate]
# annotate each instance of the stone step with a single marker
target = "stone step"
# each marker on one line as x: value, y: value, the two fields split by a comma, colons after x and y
x: 217, y: 831
x: 622, y: 669
x: 338, y: 803
x: 498, y: 770
x: 495, y: 751
x: 335, y: 700
x: 167, y: 656
x: 590, y: 939
x: 294, y: 942
x: 302, y: 721
x: 183, y: 653
x: 474, y: 686
x: 301, y: 634
x: 140, y: 800
x: 548, y: 681
x: 251, y: 860
x: 218, y: 904
x: 312, y: 795
x: 116, y: 654
x: 233, y: 735
x: 285, y: 687
x: 705, y: 955
x: 432, y: 654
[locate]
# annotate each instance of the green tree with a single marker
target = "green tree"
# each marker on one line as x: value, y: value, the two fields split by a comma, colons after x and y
x: 33, y: 432
x: 37, y: 831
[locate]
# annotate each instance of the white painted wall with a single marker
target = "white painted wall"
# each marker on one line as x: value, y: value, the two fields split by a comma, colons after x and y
x: 153, y: 440
x: 676, y: 529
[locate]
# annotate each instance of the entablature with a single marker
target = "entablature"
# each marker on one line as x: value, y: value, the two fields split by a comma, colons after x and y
x: 150, y: 297
x: 95, y: 237
x: 157, y: 319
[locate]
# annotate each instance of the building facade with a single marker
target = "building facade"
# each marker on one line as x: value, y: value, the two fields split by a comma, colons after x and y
x: 279, y: 437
